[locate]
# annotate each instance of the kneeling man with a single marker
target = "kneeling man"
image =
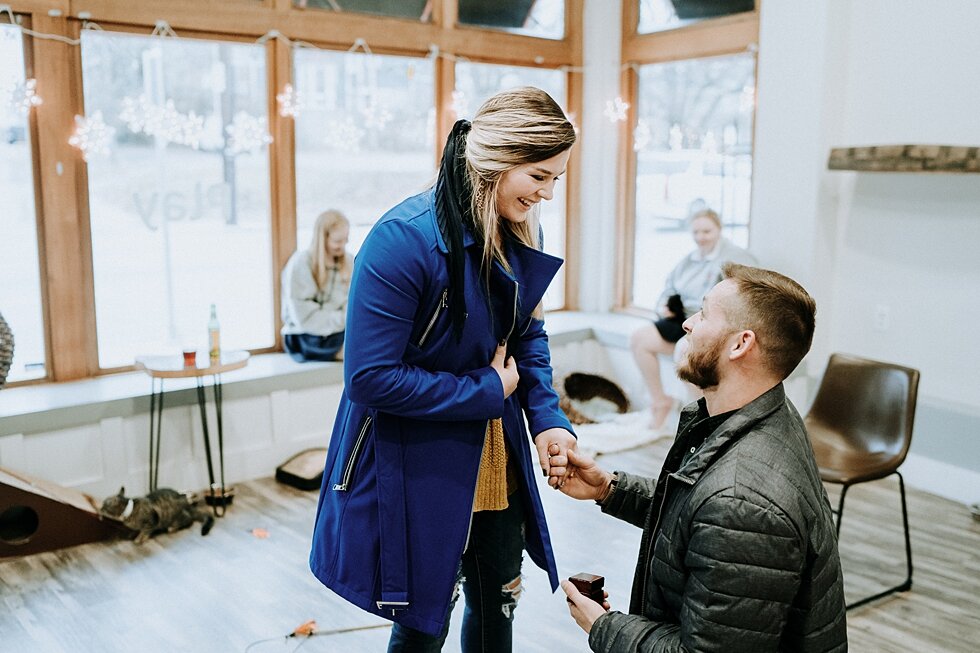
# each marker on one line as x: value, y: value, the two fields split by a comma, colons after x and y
x: 739, y: 551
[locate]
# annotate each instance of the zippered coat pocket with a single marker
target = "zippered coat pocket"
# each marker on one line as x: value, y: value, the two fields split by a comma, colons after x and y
x: 355, y: 455
x: 442, y: 305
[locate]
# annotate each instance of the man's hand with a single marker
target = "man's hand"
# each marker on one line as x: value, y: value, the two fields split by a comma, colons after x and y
x: 506, y: 368
x: 553, y: 446
x: 584, y: 610
x: 585, y: 479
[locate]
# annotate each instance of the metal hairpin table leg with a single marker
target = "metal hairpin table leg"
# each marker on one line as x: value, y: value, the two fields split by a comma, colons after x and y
x: 207, y: 444
x: 216, y: 389
x: 156, y: 420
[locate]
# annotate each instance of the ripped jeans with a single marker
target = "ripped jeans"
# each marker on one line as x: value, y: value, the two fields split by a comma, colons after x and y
x: 490, y: 571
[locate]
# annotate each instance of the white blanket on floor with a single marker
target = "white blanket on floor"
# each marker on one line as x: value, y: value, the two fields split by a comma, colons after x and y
x: 617, y: 432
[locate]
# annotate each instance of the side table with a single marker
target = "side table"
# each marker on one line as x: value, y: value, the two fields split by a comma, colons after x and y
x: 160, y: 368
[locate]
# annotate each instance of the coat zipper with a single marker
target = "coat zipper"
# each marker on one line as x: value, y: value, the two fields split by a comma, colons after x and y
x: 354, y: 455
x: 469, y: 527
x: 653, y: 539
x: 513, y: 321
x: 443, y: 303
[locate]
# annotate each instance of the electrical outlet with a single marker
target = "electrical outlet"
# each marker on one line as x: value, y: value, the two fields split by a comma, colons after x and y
x: 882, y: 318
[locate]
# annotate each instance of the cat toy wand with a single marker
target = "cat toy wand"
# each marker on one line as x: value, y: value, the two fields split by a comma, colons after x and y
x: 309, y: 629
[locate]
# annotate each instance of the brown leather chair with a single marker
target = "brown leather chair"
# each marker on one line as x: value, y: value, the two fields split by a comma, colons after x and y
x: 860, y: 426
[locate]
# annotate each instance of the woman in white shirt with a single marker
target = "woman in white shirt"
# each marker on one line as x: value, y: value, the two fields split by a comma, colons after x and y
x: 315, y: 283
x: 686, y: 286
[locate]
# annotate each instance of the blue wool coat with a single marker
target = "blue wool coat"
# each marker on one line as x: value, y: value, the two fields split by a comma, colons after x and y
x: 396, y: 502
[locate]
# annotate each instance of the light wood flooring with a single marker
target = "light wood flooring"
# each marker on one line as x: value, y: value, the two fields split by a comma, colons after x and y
x: 229, y: 590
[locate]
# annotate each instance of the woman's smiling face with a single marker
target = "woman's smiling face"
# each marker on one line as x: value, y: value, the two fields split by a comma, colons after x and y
x: 524, y: 186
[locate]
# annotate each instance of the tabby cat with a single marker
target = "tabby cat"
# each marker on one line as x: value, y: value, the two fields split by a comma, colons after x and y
x: 161, y: 511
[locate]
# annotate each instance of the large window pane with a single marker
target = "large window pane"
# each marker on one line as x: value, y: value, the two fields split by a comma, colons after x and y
x: 693, y: 143
x: 20, y: 292
x: 477, y: 82
x: 661, y: 15
x: 180, y: 199
x: 541, y: 18
x: 414, y: 9
x: 364, y: 136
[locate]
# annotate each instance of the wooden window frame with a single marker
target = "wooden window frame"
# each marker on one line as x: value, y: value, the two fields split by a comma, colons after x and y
x: 708, y: 38
x: 61, y: 182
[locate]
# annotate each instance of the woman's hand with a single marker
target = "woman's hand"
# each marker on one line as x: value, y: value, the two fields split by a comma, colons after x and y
x: 506, y: 368
x: 553, y: 446
x: 584, y: 610
x: 585, y: 479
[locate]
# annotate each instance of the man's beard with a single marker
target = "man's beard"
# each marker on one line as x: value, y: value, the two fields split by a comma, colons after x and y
x: 701, y: 367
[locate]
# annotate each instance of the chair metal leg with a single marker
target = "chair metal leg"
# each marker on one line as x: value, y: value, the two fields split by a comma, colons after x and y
x: 840, y: 507
x: 907, y: 584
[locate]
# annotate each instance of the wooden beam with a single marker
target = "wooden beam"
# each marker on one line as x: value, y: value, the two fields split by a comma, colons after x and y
x: 710, y: 38
x: 383, y: 35
x: 445, y: 83
x: 575, y: 103
x: 282, y: 172
x: 906, y: 158
x: 631, y: 18
x: 626, y: 204
x: 38, y: 6
x: 65, y: 232
x: 446, y: 13
x: 573, y: 197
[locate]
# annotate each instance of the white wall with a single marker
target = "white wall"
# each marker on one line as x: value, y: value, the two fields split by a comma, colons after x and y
x: 834, y: 73
x: 901, y: 247
x: 598, y: 143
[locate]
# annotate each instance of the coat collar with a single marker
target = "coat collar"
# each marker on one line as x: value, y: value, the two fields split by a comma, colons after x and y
x: 728, y: 433
x: 533, y: 269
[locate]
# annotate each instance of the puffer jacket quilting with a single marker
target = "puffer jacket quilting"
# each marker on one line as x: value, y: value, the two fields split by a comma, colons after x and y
x: 745, y: 554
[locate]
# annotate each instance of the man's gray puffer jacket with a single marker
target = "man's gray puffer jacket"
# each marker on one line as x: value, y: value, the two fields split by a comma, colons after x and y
x: 744, y: 557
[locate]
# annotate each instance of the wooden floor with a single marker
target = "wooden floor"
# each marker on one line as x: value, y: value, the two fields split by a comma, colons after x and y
x: 228, y: 591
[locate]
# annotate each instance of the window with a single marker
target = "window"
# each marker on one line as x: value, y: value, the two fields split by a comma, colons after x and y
x: 179, y: 201
x: 541, y: 18
x: 414, y: 9
x: 662, y: 15
x: 477, y: 82
x: 364, y: 136
x: 20, y: 292
x: 693, y: 144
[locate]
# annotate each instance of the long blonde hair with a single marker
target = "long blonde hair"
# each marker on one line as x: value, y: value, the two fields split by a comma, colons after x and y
x: 512, y: 128
x: 320, y: 261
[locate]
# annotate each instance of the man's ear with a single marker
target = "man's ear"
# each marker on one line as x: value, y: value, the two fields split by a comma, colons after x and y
x: 742, y: 343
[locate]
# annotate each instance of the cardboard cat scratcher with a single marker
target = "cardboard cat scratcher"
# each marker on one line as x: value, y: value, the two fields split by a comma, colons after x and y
x: 37, y: 515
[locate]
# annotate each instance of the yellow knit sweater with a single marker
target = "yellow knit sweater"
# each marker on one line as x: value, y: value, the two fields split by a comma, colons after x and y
x: 497, y: 478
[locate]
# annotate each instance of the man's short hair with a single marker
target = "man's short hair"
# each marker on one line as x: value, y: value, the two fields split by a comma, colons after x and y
x: 780, y: 312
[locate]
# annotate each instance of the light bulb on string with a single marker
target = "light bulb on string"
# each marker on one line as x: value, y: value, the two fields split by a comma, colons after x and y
x: 24, y: 97
x: 92, y: 136
x: 616, y: 110
x: 641, y: 136
x: 289, y: 102
x: 247, y: 134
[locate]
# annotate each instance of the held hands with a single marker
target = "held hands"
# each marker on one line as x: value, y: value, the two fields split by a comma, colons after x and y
x: 584, y: 610
x: 553, y: 446
x: 585, y: 479
x: 506, y: 369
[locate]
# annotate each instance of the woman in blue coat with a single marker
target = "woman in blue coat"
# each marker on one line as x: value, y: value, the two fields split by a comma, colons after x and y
x: 429, y: 480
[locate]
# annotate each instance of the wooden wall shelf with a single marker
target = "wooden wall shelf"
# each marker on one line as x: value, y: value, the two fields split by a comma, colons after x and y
x: 906, y: 158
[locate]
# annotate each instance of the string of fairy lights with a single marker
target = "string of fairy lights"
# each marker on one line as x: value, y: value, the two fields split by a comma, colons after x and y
x: 93, y: 135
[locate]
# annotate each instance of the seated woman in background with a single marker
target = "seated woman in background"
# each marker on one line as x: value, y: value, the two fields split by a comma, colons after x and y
x: 315, y: 283
x: 686, y: 286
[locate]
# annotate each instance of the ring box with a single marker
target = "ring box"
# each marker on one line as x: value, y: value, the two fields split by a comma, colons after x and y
x: 589, y: 585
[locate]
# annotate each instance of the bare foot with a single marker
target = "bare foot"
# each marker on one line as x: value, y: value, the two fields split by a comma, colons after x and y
x: 659, y: 412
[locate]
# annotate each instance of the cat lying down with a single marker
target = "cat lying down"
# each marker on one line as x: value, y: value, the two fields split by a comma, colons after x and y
x: 161, y: 511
